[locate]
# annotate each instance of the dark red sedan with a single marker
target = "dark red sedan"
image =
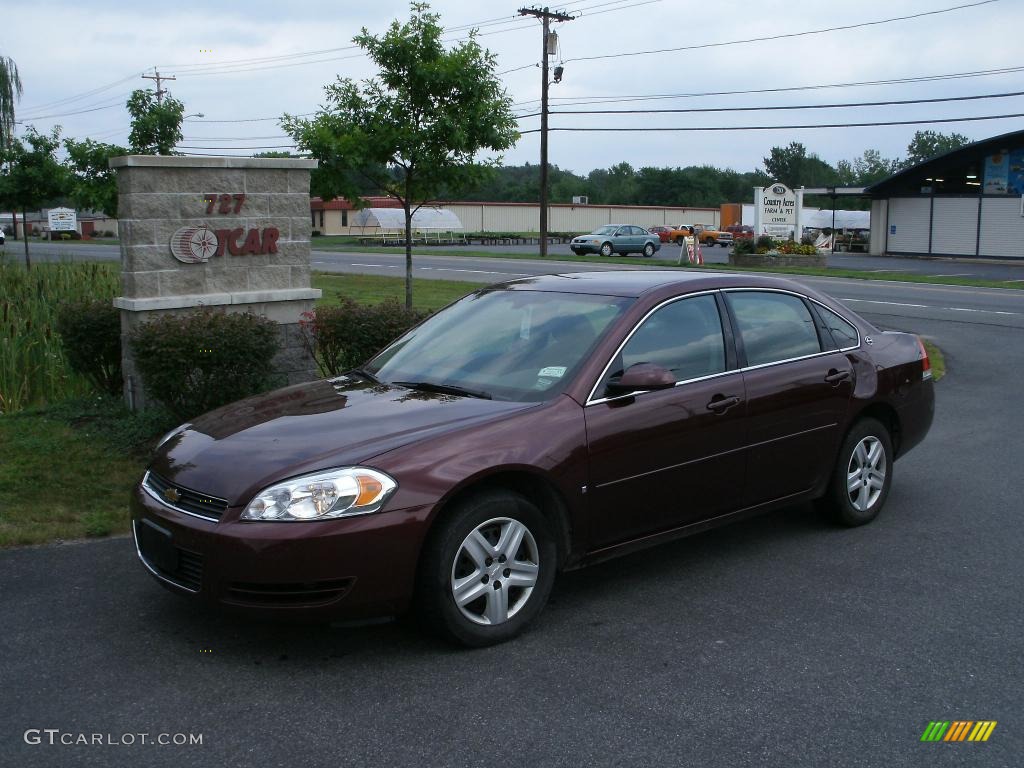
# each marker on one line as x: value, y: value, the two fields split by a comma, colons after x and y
x: 664, y: 233
x: 534, y: 426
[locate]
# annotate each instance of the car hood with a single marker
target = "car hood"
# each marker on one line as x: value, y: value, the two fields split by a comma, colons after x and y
x: 236, y: 450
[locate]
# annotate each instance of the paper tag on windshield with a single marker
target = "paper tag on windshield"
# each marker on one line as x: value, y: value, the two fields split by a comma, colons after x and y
x: 552, y: 371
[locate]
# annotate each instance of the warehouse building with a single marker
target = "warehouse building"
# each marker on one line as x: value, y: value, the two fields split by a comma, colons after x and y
x: 966, y: 203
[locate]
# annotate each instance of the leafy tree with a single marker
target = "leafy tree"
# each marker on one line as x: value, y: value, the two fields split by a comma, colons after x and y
x: 34, y: 177
x: 795, y: 168
x: 867, y: 169
x: 10, y: 91
x: 93, y: 183
x: 416, y: 128
x: 928, y: 144
x: 156, y: 125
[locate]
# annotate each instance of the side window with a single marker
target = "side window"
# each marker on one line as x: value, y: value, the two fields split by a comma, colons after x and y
x: 685, y: 337
x: 843, y: 332
x: 773, y: 326
x: 640, y: 231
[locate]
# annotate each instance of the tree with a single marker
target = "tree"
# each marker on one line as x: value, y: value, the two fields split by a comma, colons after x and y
x: 93, y: 183
x: 795, y: 168
x: 156, y: 124
x: 10, y: 92
x: 928, y: 144
x: 416, y: 128
x: 34, y: 176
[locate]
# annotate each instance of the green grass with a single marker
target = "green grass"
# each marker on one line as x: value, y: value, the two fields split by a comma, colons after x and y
x: 373, y: 289
x: 59, y: 482
x: 33, y: 369
x: 936, y: 358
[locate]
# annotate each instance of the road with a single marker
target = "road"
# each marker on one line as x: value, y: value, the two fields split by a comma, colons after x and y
x: 779, y: 641
x: 985, y: 270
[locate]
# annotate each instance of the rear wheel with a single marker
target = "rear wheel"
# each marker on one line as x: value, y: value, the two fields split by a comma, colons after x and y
x: 606, y: 249
x: 488, y: 569
x: 862, y: 476
x: 649, y: 250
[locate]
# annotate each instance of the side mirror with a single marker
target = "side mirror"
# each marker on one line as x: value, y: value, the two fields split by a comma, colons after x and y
x: 642, y: 376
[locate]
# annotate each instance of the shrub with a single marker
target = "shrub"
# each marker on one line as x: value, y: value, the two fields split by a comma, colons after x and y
x: 743, y: 246
x: 90, y: 333
x: 766, y: 242
x: 348, y: 335
x: 201, y: 361
x: 807, y: 240
x: 316, y: 233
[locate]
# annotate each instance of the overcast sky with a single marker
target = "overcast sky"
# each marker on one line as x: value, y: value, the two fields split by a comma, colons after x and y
x: 94, y: 47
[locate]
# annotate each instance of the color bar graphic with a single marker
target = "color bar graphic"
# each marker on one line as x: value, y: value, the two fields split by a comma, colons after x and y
x: 958, y: 730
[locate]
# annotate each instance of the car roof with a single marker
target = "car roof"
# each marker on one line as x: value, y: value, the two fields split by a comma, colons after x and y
x: 635, y: 283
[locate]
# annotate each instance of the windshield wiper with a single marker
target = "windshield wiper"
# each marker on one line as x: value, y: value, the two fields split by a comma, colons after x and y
x: 444, y: 389
x: 365, y: 374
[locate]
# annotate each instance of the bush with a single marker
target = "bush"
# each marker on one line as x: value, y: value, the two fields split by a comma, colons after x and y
x: 316, y: 233
x: 201, y: 361
x: 743, y: 246
x: 808, y: 240
x: 766, y: 242
x: 346, y: 336
x: 90, y: 332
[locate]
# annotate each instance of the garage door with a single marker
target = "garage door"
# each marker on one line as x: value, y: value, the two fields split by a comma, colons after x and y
x: 908, y: 224
x: 955, y: 226
x: 1002, y: 227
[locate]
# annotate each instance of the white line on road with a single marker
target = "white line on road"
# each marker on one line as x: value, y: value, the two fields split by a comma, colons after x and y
x: 928, y: 306
x: 955, y: 274
x: 474, y: 271
x: 380, y: 266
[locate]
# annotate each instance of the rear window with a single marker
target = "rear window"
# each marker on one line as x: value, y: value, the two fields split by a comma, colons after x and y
x: 844, y: 333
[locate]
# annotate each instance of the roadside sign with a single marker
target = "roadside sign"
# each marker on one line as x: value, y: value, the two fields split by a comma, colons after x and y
x: 62, y: 220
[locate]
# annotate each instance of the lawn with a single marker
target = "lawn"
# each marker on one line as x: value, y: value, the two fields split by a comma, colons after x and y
x: 372, y: 289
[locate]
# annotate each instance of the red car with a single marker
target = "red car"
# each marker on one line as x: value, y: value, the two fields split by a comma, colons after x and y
x: 740, y: 231
x: 663, y: 233
x: 535, y: 426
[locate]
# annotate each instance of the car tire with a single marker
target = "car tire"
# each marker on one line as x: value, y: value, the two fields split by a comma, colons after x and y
x: 862, y: 476
x: 606, y: 249
x: 649, y: 250
x: 457, y: 553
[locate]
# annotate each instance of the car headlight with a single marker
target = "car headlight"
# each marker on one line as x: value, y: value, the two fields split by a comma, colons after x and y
x: 172, y: 433
x: 325, y: 495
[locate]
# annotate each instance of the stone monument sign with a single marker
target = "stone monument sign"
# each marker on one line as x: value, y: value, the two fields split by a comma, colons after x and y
x: 227, y: 233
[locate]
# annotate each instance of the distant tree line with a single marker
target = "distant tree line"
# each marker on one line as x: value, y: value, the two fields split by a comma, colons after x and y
x: 706, y: 185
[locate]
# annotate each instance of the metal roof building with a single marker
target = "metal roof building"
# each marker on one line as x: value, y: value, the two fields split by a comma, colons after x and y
x: 965, y: 203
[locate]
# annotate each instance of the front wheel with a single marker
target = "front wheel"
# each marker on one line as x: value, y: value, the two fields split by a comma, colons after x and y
x: 487, y: 570
x: 606, y: 249
x: 649, y: 250
x: 862, y: 475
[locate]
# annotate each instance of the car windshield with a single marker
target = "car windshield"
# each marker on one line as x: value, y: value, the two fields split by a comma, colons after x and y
x: 606, y: 230
x: 506, y: 345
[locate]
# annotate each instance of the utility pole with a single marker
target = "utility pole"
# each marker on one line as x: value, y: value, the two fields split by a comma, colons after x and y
x: 547, y: 17
x: 159, y: 78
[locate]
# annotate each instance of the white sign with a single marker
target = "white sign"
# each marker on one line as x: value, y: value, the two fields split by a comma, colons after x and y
x: 776, y: 214
x: 62, y: 220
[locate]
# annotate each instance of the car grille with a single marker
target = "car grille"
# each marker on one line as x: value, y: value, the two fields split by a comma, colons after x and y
x: 312, y: 593
x: 189, y: 501
x: 187, y: 567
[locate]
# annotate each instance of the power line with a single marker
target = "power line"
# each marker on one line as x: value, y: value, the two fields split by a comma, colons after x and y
x: 276, y: 146
x: 780, y: 127
x: 85, y: 95
x: 118, y: 102
x: 783, y: 107
x: 787, y: 34
x: 584, y: 100
x: 249, y: 119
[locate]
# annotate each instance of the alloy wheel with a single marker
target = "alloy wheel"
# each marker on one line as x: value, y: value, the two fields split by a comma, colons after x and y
x: 495, y: 571
x: 865, y: 474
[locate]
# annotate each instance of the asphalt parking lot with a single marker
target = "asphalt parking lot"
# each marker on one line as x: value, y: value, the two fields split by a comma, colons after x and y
x: 779, y: 641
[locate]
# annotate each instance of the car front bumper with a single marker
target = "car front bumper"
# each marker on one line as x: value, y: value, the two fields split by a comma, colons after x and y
x: 350, y: 568
x: 581, y: 248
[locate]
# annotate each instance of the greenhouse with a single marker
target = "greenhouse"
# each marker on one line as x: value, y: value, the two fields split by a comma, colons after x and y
x: 429, y: 225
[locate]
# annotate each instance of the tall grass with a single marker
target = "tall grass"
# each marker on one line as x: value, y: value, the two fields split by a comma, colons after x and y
x: 33, y: 369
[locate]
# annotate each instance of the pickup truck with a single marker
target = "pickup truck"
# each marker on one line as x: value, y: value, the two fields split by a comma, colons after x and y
x: 707, y: 235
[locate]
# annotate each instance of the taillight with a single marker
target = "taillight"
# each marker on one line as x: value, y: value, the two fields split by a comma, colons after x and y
x: 926, y: 365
